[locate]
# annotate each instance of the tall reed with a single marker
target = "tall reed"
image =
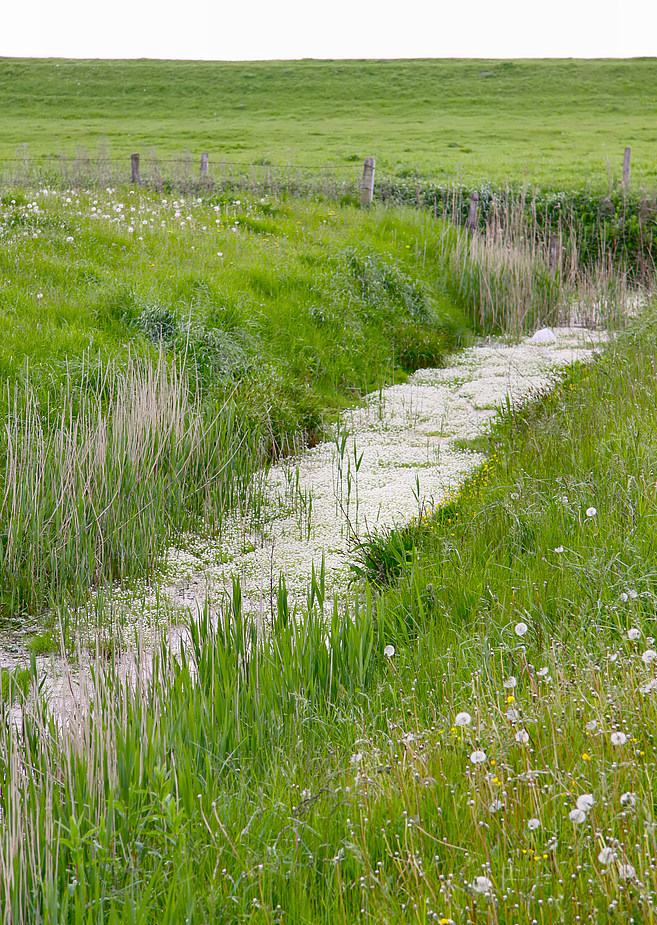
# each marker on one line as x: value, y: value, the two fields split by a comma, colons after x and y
x: 91, y: 489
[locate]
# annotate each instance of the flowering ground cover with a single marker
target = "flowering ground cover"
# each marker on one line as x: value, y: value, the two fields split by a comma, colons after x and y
x: 473, y: 743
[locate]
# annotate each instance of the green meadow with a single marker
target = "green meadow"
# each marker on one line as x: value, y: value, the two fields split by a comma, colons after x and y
x: 467, y: 734
x: 550, y: 122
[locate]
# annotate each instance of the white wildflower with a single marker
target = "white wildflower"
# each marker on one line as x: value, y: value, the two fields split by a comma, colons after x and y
x: 389, y: 651
x: 558, y: 549
x: 356, y: 759
x: 626, y: 872
x: 592, y: 725
x: 522, y: 736
x: 633, y: 633
x: 462, y: 719
x: 591, y: 511
x: 577, y: 816
x: 584, y: 802
x: 520, y: 629
x: 618, y: 738
x: 628, y: 798
x: 482, y: 885
x: 510, y: 682
x: 534, y: 824
x: 512, y: 715
x: 607, y: 855
x: 542, y: 672
x: 649, y: 656
x: 496, y: 806
x: 478, y: 756
x: 624, y: 597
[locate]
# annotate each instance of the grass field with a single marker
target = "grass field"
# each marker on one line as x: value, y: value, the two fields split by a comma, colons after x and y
x: 469, y: 738
x: 557, y: 123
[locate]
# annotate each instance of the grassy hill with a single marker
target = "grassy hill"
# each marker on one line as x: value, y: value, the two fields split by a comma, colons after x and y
x: 556, y: 122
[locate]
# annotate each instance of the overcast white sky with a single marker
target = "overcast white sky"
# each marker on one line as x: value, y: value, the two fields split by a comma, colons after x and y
x: 259, y: 29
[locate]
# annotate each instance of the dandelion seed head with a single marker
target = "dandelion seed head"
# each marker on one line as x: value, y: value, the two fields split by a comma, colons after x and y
x: 389, y: 651
x: 520, y: 629
x: 584, y: 802
x: 522, y: 736
x: 478, y: 756
x: 649, y: 656
x: 633, y: 633
x: 591, y: 511
x: 462, y: 719
x: 482, y: 885
x: 577, y: 816
x: 606, y: 856
x: 534, y: 824
x: 618, y: 738
x: 628, y: 798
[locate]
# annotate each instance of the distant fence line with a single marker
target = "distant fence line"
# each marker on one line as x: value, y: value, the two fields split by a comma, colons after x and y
x: 621, y: 225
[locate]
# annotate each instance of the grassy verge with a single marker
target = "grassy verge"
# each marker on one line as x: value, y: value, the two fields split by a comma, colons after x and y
x: 156, y: 351
x: 475, y: 744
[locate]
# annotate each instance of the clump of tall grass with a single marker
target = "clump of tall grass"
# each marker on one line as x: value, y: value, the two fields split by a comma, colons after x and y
x: 91, y: 488
x: 513, y: 276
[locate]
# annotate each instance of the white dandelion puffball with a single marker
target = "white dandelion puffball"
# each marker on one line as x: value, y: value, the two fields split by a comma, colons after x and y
x: 462, y: 719
x: 585, y: 802
x: 389, y: 651
x: 543, y: 672
x: 496, y: 806
x: 512, y: 715
x: 624, y: 597
x: 534, y: 824
x: 520, y: 629
x: 522, y: 736
x: 649, y: 656
x: 628, y: 798
x: 510, y: 682
x: 633, y: 593
x: 558, y: 549
x: 626, y: 872
x: 356, y: 759
x: 577, y: 816
x: 591, y: 511
x: 482, y: 885
x: 633, y: 633
x: 618, y: 738
x: 592, y: 725
x: 607, y: 855
x: 478, y: 756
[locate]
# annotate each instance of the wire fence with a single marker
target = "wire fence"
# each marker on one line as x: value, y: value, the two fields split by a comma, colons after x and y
x: 181, y: 174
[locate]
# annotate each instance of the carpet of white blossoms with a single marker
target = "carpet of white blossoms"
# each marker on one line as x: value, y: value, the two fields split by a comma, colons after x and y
x: 392, y: 457
x: 395, y: 455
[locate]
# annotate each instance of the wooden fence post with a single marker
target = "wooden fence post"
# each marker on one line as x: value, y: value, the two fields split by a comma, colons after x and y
x: 367, y: 186
x: 627, y: 160
x: 136, y: 170
x: 472, y: 220
x: 205, y: 164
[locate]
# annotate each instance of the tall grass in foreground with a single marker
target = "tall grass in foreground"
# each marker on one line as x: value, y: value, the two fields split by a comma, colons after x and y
x: 475, y: 745
x: 90, y: 489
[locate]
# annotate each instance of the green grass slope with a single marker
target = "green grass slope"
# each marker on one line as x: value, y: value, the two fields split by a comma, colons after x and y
x: 476, y: 745
x: 556, y: 122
